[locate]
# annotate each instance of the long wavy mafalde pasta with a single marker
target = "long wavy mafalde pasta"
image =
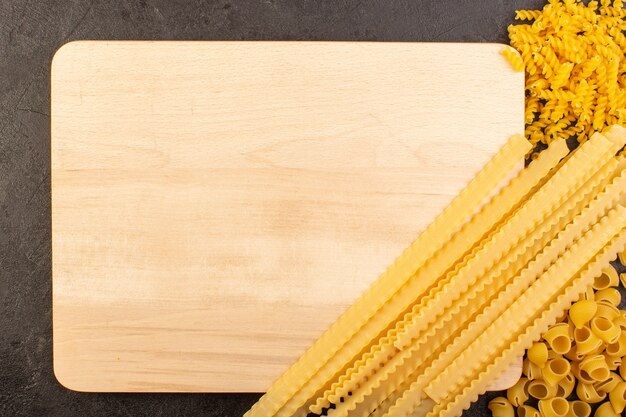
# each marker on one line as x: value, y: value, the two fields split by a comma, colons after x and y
x: 454, y: 405
x: 495, y: 209
x: 528, y: 276
x: 397, y: 362
x: 555, y: 191
x: 515, y: 317
x: 415, y: 360
x: 300, y: 380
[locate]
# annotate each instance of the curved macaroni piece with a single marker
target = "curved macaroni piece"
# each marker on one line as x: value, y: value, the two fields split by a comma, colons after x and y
x: 609, y: 278
x: 586, y: 341
x: 582, y: 376
x: 581, y: 312
x: 588, y: 393
x: 554, y: 407
x: 596, y: 367
x: 541, y: 390
x: 608, y: 311
x: 573, y: 354
x: 613, y: 362
x: 566, y: 385
x: 617, y: 396
x: 617, y: 348
x: 555, y: 370
x: 622, y: 277
x: 538, y: 354
x: 558, y: 337
x: 606, y: 410
x: 579, y: 409
x: 609, y: 384
x: 589, y: 294
x: 501, y: 407
x: 531, y: 370
x: 527, y: 411
x: 609, y: 295
x: 518, y: 393
x: 605, y: 329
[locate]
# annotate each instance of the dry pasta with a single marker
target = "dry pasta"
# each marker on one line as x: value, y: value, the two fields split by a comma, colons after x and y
x: 540, y: 389
x: 554, y: 407
x: 579, y: 409
x: 558, y: 338
x: 581, y: 312
x: 573, y: 55
x: 538, y: 354
x: 527, y: 411
x: 518, y: 393
x: 588, y: 393
x: 501, y: 407
x: 555, y: 370
x: 617, y: 396
x: 606, y: 410
x: 609, y: 295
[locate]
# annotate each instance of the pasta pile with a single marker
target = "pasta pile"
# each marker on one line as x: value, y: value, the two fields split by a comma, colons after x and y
x: 579, y: 361
x: 573, y: 55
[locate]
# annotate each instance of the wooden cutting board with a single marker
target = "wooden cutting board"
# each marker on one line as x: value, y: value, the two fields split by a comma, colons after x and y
x: 217, y: 205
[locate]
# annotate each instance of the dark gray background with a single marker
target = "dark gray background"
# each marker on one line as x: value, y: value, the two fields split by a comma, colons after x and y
x: 30, y: 32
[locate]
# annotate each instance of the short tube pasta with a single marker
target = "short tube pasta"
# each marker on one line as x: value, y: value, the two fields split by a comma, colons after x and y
x: 588, y: 393
x: 527, y: 411
x: 501, y: 407
x: 538, y: 354
x: 586, y: 340
x: 518, y: 393
x: 607, y: 279
x: 558, y: 338
x: 579, y: 409
x: 607, y: 311
x: 609, y: 384
x: 612, y: 362
x: 531, y: 370
x: 610, y: 295
x: 596, y: 367
x: 556, y: 369
x: 566, y: 385
x: 554, y: 407
x: 617, y: 348
x: 617, y: 397
x: 541, y: 390
x: 581, y: 312
x: 605, y: 329
x: 606, y: 410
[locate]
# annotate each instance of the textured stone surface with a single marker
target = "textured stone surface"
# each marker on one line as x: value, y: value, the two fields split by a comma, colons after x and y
x: 30, y: 32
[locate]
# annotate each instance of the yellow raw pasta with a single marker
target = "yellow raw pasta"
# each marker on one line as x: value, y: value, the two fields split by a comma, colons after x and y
x: 617, y: 396
x: 556, y: 369
x: 606, y: 410
x: 617, y: 348
x: 514, y: 58
x: 588, y: 393
x: 607, y: 311
x: 586, y: 341
x: 566, y: 385
x: 540, y: 389
x: 518, y: 393
x: 608, y: 279
x: 501, y: 407
x: 582, y: 312
x: 608, y: 384
x: 538, y: 354
x: 531, y: 370
x: 622, y: 370
x: 558, y: 338
x: 605, y: 329
x: 596, y: 367
x: 554, y: 407
x: 528, y: 411
x: 579, y: 409
x: 612, y: 362
x: 609, y: 295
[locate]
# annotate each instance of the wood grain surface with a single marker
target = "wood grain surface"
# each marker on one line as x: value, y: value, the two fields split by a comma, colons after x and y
x: 217, y: 205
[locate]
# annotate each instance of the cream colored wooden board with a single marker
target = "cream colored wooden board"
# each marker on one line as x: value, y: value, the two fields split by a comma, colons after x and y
x: 217, y: 205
